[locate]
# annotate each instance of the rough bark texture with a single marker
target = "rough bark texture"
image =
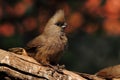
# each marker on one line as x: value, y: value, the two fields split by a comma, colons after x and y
x: 19, y: 67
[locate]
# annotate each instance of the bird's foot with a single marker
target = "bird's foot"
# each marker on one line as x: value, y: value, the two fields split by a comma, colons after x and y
x: 58, y: 68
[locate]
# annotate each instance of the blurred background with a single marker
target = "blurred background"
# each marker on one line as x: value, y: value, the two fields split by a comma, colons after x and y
x: 93, y: 29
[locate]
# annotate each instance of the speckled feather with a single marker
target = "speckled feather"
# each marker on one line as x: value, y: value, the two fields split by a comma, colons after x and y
x: 50, y: 45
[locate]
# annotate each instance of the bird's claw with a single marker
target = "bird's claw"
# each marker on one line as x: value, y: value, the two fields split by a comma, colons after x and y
x: 58, y: 68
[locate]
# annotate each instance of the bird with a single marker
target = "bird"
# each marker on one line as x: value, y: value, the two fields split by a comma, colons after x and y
x: 110, y: 73
x: 48, y: 47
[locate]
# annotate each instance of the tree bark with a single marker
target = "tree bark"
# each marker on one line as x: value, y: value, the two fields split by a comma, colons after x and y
x: 19, y: 67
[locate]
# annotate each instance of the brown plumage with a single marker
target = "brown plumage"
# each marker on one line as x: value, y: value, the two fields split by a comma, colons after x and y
x: 49, y: 46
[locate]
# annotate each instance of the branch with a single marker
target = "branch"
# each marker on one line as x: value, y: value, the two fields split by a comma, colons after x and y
x: 19, y: 67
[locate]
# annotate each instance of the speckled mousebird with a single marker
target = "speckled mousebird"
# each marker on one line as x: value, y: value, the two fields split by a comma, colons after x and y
x: 49, y: 46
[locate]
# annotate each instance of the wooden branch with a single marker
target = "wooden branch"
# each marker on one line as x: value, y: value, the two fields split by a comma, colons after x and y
x: 19, y: 67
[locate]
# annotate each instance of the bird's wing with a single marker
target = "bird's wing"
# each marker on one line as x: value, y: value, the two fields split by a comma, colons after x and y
x: 38, y: 41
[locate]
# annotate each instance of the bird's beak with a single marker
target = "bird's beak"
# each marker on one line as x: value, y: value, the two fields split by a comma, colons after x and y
x: 64, y: 26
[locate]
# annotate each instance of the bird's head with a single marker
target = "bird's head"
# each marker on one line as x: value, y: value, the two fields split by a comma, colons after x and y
x: 56, y: 24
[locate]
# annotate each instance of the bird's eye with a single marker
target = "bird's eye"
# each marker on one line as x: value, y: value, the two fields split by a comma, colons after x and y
x: 60, y: 24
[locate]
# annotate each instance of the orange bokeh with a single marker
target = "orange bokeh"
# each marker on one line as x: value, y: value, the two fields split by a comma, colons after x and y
x: 112, y: 26
x: 112, y: 9
x: 90, y: 28
x: 7, y: 29
x: 74, y: 22
x: 91, y: 9
x: 30, y: 23
x: 92, y: 5
x: 20, y: 9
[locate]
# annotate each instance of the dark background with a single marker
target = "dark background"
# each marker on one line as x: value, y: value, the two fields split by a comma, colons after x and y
x: 93, y: 29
